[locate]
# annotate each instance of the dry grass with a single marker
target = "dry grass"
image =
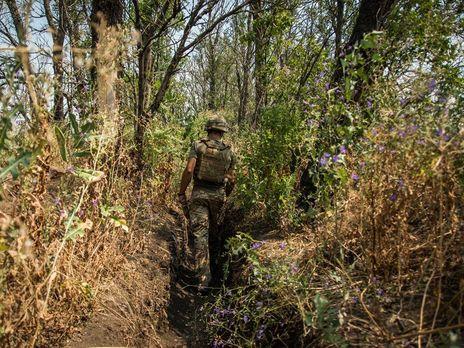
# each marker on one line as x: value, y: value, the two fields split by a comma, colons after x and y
x: 107, y: 267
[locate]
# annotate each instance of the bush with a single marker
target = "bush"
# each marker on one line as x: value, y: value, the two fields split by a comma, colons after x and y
x: 267, y: 179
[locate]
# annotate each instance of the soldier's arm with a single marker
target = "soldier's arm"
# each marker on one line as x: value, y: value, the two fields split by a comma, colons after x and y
x: 187, y: 175
x: 230, y: 175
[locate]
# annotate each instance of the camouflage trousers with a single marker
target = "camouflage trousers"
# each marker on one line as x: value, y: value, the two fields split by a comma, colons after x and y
x: 204, y: 238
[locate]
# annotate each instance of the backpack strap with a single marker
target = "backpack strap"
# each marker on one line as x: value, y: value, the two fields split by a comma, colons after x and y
x: 208, y: 144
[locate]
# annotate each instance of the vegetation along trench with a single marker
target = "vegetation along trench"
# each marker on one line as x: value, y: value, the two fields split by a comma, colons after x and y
x: 218, y: 173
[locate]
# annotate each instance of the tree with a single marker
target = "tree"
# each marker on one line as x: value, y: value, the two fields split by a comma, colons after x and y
x: 56, y: 24
x: 187, y: 38
x: 372, y: 15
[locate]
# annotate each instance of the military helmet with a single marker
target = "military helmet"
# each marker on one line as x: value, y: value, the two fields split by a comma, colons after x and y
x: 217, y: 123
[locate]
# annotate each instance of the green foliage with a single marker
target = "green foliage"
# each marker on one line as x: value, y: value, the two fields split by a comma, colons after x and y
x: 14, y: 163
x: 164, y: 153
x: 274, y: 307
x: 267, y: 179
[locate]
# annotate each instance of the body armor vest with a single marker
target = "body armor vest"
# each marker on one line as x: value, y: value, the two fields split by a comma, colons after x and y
x: 213, y: 161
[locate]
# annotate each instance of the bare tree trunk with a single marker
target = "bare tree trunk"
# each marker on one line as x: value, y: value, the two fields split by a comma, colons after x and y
x: 58, y: 34
x: 244, y: 82
x: 22, y: 53
x: 260, y: 60
x: 372, y: 16
x: 339, y: 27
x: 111, y: 11
x: 212, y: 67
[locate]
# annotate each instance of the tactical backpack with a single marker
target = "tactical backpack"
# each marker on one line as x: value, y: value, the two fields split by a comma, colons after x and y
x: 213, y: 161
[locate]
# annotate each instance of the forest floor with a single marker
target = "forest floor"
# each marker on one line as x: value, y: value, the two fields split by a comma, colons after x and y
x: 116, y: 322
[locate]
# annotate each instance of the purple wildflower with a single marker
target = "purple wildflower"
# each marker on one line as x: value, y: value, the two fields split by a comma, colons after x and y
x: 369, y: 103
x: 95, y: 202
x: 282, y: 246
x: 268, y: 276
x: 217, y: 343
x: 439, y: 132
x: 403, y: 101
x: 442, y: 100
x: 256, y: 245
x: 336, y: 158
x: 393, y: 197
x: 401, y: 133
x: 380, y: 148
x: 246, y: 318
x: 259, y: 305
x: 400, y: 183
x: 380, y: 292
x: 343, y: 149
x: 294, y: 269
x: 413, y: 128
x: 327, y: 86
x: 362, y: 164
x: 432, y: 85
x: 326, y: 155
x: 355, y: 299
x: 260, y: 334
x: 323, y: 161
x: 354, y: 176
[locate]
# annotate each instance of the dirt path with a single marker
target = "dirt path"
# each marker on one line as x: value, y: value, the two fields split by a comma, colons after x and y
x: 144, y: 305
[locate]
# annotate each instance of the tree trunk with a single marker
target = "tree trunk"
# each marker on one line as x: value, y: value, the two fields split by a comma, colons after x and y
x: 260, y: 60
x: 371, y: 16
x: 22, y: 53
x: 58, y: 34
x: 339, y: 27
x: 111, y: 12
x: 244, y: 82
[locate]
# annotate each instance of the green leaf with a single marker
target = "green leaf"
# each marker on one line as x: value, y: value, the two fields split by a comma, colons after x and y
x: 321, y: 303
x: 13, y: 165
x: 74, y: 124
x: 78, y: 228
x: 309, y: 319
x: 119, y: 223
x: 88, y: 127
x: 4, y: 132
x: 88, y: 175
x: 81, y: 154
x: 367, y: 43
x: 3, y: 247
x: 376, y: 57
x: 61, y: 143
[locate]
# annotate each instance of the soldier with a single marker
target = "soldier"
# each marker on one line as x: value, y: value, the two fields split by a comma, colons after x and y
x: 211, y: 162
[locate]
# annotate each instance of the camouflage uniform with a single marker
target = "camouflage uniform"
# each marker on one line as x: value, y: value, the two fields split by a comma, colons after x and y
x: 206, y: 202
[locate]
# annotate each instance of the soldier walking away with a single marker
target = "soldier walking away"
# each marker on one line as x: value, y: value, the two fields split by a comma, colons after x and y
x: 211, y: 163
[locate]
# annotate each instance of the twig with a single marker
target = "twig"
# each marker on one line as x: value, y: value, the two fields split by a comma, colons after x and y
x: 361, y: 298
x: 431, y: 331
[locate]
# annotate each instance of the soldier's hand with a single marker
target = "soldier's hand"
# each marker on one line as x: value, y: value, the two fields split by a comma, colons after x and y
x: 182, y: 198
